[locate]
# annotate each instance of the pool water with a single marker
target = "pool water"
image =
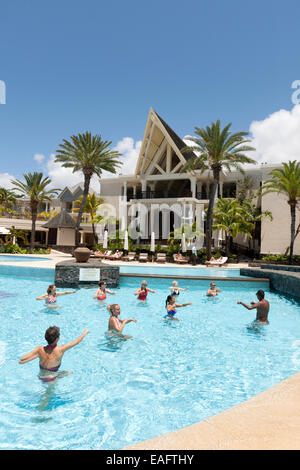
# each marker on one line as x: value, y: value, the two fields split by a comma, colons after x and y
x: 170, y: 374
x: 13, y: 258
x: 181, y: 271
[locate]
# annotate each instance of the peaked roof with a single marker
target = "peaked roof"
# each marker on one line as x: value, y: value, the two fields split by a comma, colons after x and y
x: 157, y: 131
x: 61, y: 220
x: 178, y: 141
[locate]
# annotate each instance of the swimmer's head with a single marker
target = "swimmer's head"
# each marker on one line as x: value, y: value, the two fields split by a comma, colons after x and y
x: 175, y: 284
x: 260, y: 294
x: 102, y: 284
x: 51, y: 289
x: 114, y: 309
x: 170, y: 299
x: 144, y: 284
x: 212, y: 285
x: 52, y: 334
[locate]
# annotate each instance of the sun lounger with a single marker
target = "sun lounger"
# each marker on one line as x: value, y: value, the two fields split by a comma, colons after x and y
x: 143, y: 257
x: 180, y: 260
x: 161, y: 257
x: 107, y: 254
x: 98, y: 254
x: 217, y: 262
x: 116, y: 255
x: 129, y: 257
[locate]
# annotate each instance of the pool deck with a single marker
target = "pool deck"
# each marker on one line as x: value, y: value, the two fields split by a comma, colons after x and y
x: 268, y: 421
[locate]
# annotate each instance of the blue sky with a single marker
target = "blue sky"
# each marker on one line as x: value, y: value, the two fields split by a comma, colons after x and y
x: 71, y: 66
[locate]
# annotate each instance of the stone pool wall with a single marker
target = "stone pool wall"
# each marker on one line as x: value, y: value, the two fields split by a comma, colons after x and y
x: 283, y: 280
x: 71, y: 273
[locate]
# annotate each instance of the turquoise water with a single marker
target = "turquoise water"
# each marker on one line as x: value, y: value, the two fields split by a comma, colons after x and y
x: 14, y: 258
x: 167, y: 376
x: 181, y: 271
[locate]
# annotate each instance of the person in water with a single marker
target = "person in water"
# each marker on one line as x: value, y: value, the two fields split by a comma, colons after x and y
x: 142, y: 291
x: 50, y: 356
x: 115, y: 324
x: 262, y: 307
x: 102, y: 291
x: 51, y: 295
x: 213, y: 290
x: 175, y: 289
x: 171, y: 306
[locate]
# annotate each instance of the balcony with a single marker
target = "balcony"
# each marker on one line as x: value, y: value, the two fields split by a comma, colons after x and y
x: 158, y: 195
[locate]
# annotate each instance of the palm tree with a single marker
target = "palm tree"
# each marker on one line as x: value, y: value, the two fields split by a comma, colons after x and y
x: 34, y: 188
x: 90, y: 155
x: 14, y: 234
x: 7, y: 198
x: 230, y: 216
x: 217, y: 149
x: 286, y: 181
x: 91, y: 206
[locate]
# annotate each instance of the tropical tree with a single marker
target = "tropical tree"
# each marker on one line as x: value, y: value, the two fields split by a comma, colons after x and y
x: 90, y: 155
x: 14, y: 234
x: 7, y: 198
x: 232, y: 218
x: 217, y: 150
x: 92, y: 204
x: 286, y: 181
x: 35, y: 188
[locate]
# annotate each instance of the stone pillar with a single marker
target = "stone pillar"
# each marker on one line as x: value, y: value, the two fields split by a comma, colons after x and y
x: 193, y: 186
x: 221, y: 189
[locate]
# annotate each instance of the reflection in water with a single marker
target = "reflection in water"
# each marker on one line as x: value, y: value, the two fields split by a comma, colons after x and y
x: 113, y: 341
x: 256, y: 328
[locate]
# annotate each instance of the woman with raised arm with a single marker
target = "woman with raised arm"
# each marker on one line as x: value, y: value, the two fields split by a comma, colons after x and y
x: 50, y: 356
x: 142, y: 291
x: 171, y: 307
x: 115, y: 324
x: 51, y: 295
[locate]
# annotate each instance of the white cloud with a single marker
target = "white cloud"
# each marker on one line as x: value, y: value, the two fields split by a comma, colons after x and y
x: 39, y: 157
x: 130, y: 153
x: 5, y: 180
x: 277, y: 138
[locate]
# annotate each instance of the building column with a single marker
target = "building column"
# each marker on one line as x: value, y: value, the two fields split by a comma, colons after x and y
x: 125, y: 189
x: 193, y: 186
x: 221, y: 189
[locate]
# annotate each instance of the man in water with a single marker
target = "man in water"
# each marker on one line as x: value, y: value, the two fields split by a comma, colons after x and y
x: 213, y: 290
x: 262, y: 307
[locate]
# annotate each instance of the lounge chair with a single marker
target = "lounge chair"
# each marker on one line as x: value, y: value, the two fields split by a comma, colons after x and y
x: 143, y: 257
x: 107, y: 254
x: 98, y: 254
x: 129, y: 257
x: 180, y: 259
x: 161, y: 257
x: 217, y: 262
x: 116, y: 255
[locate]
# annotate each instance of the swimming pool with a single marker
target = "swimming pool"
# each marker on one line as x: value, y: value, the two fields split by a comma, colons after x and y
x: 169, y: 375
x: 13, y: 258
x: 181, y: 271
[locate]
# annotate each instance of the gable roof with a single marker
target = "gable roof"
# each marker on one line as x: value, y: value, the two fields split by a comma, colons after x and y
x: 156, y: 136
x: 61, y: 220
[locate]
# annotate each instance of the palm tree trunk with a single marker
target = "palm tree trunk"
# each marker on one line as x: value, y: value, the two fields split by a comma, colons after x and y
x: 94, y: 234
x: 209, y: 213
x: 293, y: 226
x: 34, y: 207
x: 227, y: 245
x: 87, y: 180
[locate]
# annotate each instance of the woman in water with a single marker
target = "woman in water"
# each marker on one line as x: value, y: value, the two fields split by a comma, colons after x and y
x: 175, y: 289
x: 102, y: 291
x: 142, y: 291
x: 115, y: 324
x: 50, y: 296
x: 50, y: 356
x: 171, y: 307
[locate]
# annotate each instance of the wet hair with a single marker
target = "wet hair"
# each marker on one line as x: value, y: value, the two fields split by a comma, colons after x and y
x: 50, y: 289
x: 168, y: 299
x: 111, y: 308
x: 101, y: 283
x: 52, y: 334
x: 260, y: 293
x: 143, y: 284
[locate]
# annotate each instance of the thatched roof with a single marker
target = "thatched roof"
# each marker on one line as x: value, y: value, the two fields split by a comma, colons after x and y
x: 61, y: 220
